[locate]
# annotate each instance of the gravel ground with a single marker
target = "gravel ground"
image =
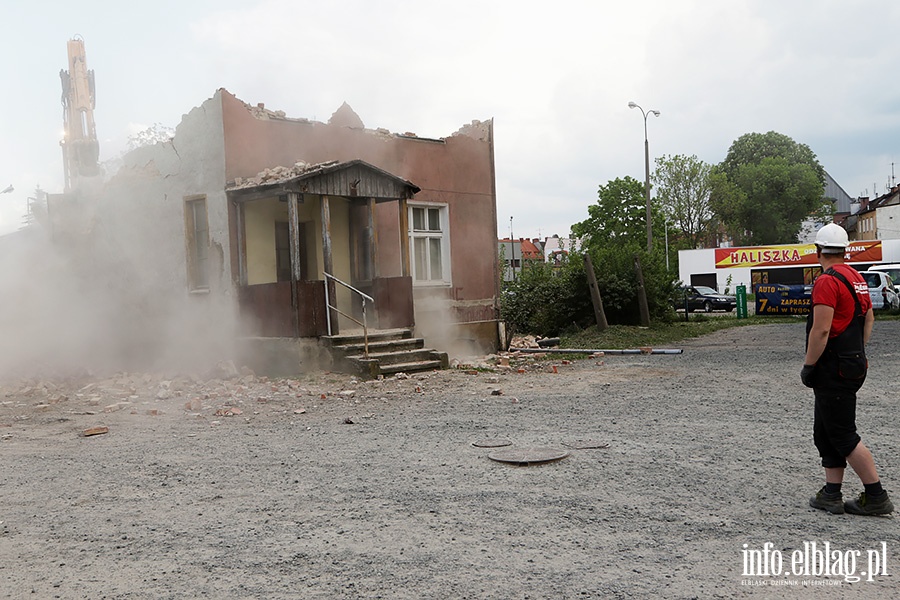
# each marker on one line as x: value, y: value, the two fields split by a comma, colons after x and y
x: 327, y: 487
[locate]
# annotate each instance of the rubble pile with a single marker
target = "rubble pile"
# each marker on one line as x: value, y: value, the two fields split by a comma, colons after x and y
x: 524, y: 341
x: 226, y: 391
x: 232, y: 394
x: 261, y: 112
x: 277, y: 174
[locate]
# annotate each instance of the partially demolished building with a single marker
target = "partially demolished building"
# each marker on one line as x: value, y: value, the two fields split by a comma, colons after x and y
x: 242, y: 222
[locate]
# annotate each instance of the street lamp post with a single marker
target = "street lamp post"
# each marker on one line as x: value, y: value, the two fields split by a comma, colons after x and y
x: 666, y: 229
x: 8, y: 189
x: 646, y: 170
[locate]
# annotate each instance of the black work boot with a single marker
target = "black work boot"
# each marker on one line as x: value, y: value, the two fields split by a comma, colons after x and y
x: 833, y: 503
x: 869, y: 505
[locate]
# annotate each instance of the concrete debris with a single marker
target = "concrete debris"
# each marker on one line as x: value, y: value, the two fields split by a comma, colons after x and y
x: 225, y: 370
x: 261, y: 112
x: 228, y: 390
x: 228, y: 411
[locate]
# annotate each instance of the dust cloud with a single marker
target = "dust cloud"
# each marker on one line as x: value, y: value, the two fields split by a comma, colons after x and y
x: 89, y: 295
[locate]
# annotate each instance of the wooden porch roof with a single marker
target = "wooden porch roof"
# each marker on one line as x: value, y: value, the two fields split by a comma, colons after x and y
x: 350, y: 179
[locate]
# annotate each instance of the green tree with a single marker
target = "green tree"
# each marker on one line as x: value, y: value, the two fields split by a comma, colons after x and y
x: 684, y: 188
x: 766, y: 186
x: 613, y: 233
x: 618, y: 217
x: 549, y: 300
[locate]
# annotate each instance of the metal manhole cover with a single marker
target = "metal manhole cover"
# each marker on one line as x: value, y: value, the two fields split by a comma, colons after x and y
x: 528, y: 456
x: 585, y: 444
x: 492, y: 443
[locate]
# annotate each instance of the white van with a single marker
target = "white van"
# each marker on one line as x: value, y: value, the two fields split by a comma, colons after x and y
x: 892, y: 270
x: 881, y: 290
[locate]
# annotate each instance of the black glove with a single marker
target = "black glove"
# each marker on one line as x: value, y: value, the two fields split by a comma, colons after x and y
x: 806, y: 375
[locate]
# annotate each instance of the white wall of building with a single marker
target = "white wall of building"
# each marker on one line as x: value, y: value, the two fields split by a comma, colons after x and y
x: 888, y: 219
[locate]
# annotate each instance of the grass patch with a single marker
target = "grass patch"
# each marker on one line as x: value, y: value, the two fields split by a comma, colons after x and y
x: 618, y: 337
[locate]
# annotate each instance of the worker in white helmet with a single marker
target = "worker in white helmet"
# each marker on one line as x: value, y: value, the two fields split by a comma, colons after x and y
x: 838, y: 328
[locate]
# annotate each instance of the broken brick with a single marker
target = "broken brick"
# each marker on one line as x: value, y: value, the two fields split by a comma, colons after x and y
x: 100, y: 429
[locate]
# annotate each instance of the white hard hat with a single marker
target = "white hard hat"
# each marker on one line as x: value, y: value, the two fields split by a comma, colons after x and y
x: 832, y: 239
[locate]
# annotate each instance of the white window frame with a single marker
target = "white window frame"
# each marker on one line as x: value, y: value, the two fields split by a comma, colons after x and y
x: 443, y: 234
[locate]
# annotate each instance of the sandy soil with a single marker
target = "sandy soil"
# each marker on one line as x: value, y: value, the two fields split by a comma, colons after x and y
x: 327, y: 487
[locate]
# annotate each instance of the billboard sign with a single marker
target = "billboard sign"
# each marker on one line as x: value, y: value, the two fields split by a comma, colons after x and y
x: 791, y: 255
x: 776, y: 299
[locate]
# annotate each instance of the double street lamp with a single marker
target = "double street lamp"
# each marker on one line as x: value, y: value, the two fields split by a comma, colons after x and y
x: 646, y: 170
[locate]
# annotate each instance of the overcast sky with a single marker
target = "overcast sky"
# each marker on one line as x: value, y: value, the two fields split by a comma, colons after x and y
x: 556, y: 77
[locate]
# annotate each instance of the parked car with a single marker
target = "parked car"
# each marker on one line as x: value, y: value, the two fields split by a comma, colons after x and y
x: 881, y: 289
x: 700, y: 297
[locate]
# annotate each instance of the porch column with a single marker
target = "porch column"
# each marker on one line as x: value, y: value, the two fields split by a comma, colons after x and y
x: 294, y: 231
x: 328, y: 260
x: 372, y: 237
x: 404, y: 238
x: 293, y: 198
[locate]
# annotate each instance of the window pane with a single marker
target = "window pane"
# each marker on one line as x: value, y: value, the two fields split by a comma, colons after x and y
x: 418, y: 219
x: 420, y: 254
x: 434, y: 247
x: 434, y: 219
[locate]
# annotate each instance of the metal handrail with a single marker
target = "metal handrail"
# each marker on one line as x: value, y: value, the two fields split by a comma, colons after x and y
x: 363, y: 296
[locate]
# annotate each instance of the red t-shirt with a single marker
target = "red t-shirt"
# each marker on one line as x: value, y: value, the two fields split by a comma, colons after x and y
x: 832, y: 292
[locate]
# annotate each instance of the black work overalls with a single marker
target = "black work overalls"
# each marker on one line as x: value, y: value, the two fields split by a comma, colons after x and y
x: 843, y: 364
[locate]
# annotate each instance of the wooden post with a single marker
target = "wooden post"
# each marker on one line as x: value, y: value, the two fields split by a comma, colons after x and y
x: 599, y: 313
x: 372, y: 238
x: 327, y: 257
x: 642, y: 293
x: 328, y: 260
x: 293, y: 198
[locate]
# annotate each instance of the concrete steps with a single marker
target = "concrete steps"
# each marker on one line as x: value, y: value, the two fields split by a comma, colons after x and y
x: 391, y: 351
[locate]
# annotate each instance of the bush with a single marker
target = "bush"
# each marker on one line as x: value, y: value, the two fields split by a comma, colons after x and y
x: 550, y: 301
x: 544, y: 300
